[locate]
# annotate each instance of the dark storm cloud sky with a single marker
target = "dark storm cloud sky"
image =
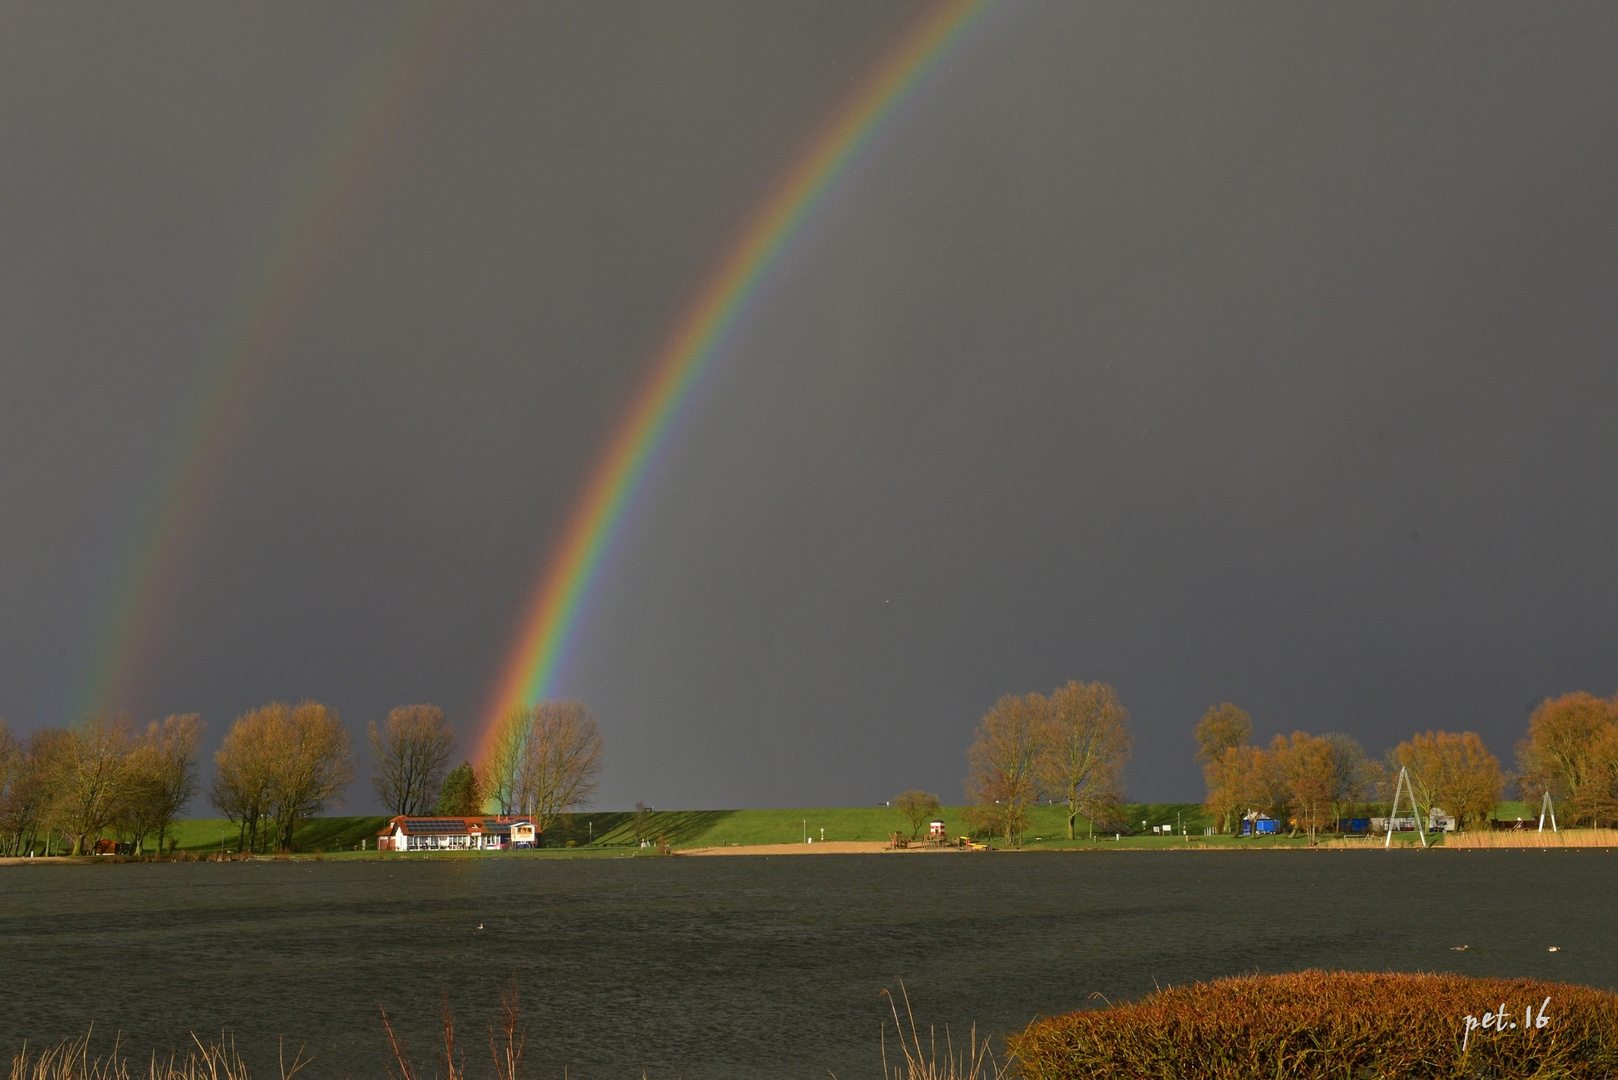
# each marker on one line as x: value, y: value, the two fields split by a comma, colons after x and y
x: 1247, y: 353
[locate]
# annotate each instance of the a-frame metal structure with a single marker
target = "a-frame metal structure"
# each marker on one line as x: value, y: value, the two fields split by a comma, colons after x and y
x: 1547, y: 807
x: 1404, y: 785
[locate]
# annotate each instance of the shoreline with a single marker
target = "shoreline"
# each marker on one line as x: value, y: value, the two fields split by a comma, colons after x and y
x: 830, y: 847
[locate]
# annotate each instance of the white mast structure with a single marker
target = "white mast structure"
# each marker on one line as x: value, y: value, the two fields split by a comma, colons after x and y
x: 1404, y: 785
x: 1547, y: 807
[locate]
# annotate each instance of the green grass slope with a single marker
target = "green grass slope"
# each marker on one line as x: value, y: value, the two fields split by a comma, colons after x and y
x: 204, y: 835
x: 745, y: 828
x: 615, y: 830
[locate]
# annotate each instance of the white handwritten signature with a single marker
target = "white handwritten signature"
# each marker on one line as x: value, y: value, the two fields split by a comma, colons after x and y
x: 1497, y: 1022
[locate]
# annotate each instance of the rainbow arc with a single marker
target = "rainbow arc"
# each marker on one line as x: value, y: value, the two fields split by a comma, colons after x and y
x: 552, y: 617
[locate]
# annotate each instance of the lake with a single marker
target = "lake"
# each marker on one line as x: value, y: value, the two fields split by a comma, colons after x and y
x: 747, y: 966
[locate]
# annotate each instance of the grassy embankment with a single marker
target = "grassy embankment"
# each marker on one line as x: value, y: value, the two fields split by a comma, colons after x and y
x: 1313, y: 1025
x: 203, y: 836
x: 614, y: 832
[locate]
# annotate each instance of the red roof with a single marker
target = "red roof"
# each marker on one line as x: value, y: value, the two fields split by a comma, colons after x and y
x: 420, y: 825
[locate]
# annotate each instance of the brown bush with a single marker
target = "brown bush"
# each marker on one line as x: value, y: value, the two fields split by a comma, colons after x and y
x: 1331, y: 1024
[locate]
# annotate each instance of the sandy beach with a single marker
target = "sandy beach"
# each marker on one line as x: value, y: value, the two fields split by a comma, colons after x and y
x: 831, y: 847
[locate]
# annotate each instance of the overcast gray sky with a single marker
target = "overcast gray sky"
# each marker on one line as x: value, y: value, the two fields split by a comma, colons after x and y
x: 1261, y: 353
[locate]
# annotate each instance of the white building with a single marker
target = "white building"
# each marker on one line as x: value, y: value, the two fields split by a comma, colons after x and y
x: 1437, y: 821
x: 457, y: 834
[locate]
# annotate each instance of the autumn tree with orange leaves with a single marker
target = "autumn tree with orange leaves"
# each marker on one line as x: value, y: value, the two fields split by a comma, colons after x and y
x: 1597, y: 801
x: 1240, y: 780
x: 1562, y: 748
x: 1305, y: 765
x: 1453, y: 772
x: 1229, y: 764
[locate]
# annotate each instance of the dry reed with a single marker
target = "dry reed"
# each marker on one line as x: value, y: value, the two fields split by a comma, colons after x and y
x: 1526, y: 838
x: 506, y: 1037
x: 1313, y: 1025
x: 71, y: 1060
x: 975, y: 1062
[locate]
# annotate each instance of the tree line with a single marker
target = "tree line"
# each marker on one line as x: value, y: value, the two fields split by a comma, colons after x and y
x: 63, y: 788
x: 69, y: 786
x: 1570, y: 750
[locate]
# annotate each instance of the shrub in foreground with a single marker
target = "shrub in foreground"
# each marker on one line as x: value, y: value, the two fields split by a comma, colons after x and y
x: 1334, y: 1024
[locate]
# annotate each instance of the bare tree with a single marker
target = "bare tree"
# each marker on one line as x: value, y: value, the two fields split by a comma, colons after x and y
x: 562, y: 756
x: 1353, y: 773
x: 412, y: 753
x: 26, y: 802
x: 280, y: 765
x: 501, y: 769
x: 13, y: 773
x: 140, y: 796
x: 87, y: 774
x: 917, y: 807
x: 176, y: 743
x: 11, y: 759
x: 311, y: 765
x: 244, y: 782
x: 1084, y: 745
x: 1003, y: 764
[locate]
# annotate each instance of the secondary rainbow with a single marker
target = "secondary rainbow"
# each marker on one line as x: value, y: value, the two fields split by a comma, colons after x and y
x: 530, y: 672
x: 190, y: 468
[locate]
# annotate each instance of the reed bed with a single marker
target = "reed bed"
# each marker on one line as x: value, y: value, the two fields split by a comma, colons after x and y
x: 1314, y: 1025
x: 71, y: 1060
x: 1526, y: 838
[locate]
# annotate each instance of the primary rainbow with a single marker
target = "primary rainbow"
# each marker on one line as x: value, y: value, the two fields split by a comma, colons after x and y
x: 530, y: 672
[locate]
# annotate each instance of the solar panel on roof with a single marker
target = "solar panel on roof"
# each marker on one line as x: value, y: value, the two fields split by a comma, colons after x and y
x: 435, y: 825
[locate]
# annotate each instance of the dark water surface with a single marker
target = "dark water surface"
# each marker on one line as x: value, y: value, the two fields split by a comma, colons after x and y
x: 743, y: 967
